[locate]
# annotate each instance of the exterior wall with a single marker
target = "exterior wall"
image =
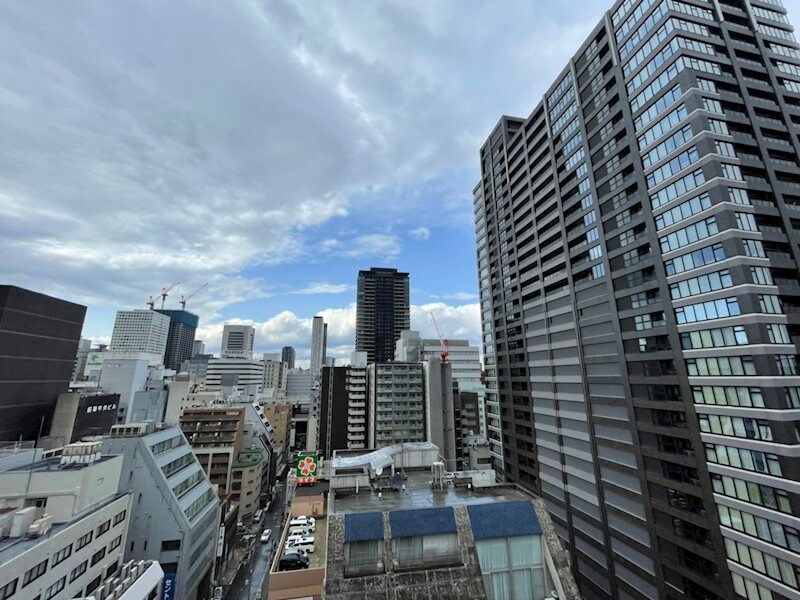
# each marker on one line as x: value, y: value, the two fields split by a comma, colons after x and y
x: 288, y: 356
x: 178, y: 529
x: 395, y: 388
x: 343, y: 414
x: 39, y: 336
x: 245, y: 371
x: 237, y: 341
x: 215, y: 434
x: 110, y: 543
x: 125, y: 377
x: 140, y: 331
x: 246, y: 483
x: 318, y: 343
x: 180, y: 337
x: 638, y: 264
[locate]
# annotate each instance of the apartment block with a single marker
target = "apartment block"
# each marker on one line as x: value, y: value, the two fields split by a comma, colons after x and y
x: 343, y: 419
x: 638, y: 253
x: 215, y: 435
x: 382, y: 312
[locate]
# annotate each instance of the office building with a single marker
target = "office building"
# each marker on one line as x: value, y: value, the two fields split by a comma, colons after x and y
x: 275, y: 373
x: 229, y: 372
x: 638, y: 262
x: 382, y: 312
x: 39, y: 339
x: 174, y: 510
x: 279, y: 417
x: 180, y: 337
x: 237, y: 341
x: 63, y: 522
x: 288, y: 356
x: 84, y: 348
x: 319, y: 340
x: 343, y: 418
x: 198, y: 347
x: 81, y: 414
x: 197, y: 366
x: 430, y: 534
x: 215, y: 435
x: 140, y: 330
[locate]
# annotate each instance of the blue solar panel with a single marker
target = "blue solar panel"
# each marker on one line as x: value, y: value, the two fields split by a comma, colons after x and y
x: 503, y: 519
x: 423, y: 521
x: 362, y: 527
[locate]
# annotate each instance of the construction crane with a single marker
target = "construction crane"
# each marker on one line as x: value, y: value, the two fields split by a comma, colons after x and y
x: 185, y: 298
x: 165, y: 292
x: 445, y: 349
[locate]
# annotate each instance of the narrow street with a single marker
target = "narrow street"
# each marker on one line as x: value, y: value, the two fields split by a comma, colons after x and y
x: 254, y: 574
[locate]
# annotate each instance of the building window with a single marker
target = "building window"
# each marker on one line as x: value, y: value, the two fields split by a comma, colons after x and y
x: 98, y: 556
x: 120, y: 517
x: 103, y: 528
x: 55, y: 588
x: 8, y: 589
x: 78, y: 571
x: 62, y: 554
x: 34, y: 573
x: 115, y: 543
x: 512, y: 567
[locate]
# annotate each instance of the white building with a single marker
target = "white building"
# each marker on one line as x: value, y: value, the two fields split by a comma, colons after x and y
x: 237, y: 341
x: 140, y: 330
x: 63, y: 523
x: 275, y: 373
x: 319, y: 341
x: 134, y: 580
x: 234, y: 373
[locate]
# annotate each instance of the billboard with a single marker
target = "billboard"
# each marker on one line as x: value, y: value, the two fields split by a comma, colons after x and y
x: 306, y: 468
x: 168, y: 587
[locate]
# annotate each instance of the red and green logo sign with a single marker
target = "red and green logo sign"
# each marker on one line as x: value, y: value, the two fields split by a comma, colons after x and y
x: 307, y: 465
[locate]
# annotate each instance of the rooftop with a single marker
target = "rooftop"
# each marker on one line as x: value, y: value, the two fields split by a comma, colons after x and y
x: 54, y: 464
x: 418, y: 493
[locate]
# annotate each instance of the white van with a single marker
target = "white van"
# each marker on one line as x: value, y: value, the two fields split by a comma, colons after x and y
x: 303, y: 546
x: 303, y: 521
x: 301, y: 530
x: 293, y: 537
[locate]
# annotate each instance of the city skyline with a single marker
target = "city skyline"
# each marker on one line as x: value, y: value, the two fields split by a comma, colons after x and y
x: 411, y: 211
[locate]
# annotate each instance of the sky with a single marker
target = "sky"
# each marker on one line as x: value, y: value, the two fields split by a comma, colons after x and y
x: 267, y: 149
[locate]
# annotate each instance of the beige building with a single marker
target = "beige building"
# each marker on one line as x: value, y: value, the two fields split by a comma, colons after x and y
x: 280, y: 417
x: 215, y: 434
x: 246, y: 484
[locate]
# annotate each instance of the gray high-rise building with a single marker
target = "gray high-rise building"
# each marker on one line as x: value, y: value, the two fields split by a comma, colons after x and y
x: 638, y: 255
x: 382, y: 312
x: 180, y: 338
x: 38, y: 343
x: 319, y: 342
x: 288, y: 356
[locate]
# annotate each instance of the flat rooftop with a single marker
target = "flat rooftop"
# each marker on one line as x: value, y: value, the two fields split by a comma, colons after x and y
x: 316, y: 560
x: 419, y: 494
x: 54, y: 464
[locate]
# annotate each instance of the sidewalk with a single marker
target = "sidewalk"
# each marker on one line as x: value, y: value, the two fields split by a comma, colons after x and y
x: 236, y: 562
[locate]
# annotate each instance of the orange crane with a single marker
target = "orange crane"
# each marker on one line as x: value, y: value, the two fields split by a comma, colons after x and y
x: 185, y: 298
x: 445, y: 348
x: 165, y: 292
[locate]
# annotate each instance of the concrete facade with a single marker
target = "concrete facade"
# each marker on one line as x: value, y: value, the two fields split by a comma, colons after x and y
x: 140, y: 330
x: 232, y: 372
x: 319, y: 339
x: 237, y: 341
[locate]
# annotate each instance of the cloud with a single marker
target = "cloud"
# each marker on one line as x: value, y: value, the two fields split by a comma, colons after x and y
x: 375, y: 245
x: 324, y: 288
x: 461, y: 296
x: 289, y: 329
x: 420, y: 233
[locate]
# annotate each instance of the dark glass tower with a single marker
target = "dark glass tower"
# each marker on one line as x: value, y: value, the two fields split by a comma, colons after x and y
x: 287, y: 356
x: 38, y: 342
x: 638, y: 245
x: 382, y: 312
x: 180, y: 339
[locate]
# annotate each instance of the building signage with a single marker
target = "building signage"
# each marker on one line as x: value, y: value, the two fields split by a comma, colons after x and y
x: 307, y: 468
x: 168, y: 587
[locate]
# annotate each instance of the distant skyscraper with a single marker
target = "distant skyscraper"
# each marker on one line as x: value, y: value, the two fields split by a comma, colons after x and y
x: 198, y: 347
x: 287, y: 356
x: 637, y: 248
x: 237, y: 341
x: 382, y: 312
x: 180, y: 339
x: 319, y: 335
x: 140, y: 330
x: 38, y: 343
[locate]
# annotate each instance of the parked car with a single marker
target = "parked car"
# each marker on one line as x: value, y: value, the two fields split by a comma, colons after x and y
x: 292, y: 562
x: 266, y: 535
x: 257, y: 516
x: 303, y: 545
x: 300, y: 530
x: 304, y: 521
x: 297, y: 536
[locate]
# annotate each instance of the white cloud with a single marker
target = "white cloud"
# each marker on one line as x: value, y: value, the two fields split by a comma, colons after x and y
x: 420, y: 233
x: 461, y: 296
x: 324, y: 288
x: 375, y: 245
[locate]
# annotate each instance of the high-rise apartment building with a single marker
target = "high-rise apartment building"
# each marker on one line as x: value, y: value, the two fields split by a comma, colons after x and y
x: 288, y: 356
x: 180, y: 337
x: 38, y: 343
x: 638, y: 259
x: 237, y: 341
x: 343, y: 418
x: 319, y: 341
x: 382, y: 312
x: 140, y: 330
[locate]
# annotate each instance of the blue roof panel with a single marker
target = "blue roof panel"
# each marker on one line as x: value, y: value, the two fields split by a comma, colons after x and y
x: 422, y: 521
x: 362, y: 527
x: 503, y: 519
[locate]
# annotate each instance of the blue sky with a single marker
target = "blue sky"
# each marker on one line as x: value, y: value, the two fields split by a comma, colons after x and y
x: 271, y: 149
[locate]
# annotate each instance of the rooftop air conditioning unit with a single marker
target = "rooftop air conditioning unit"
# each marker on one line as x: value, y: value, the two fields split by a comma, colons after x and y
x: 41, y: 526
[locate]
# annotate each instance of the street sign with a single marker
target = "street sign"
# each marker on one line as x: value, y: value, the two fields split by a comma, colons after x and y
x: 307, y: 468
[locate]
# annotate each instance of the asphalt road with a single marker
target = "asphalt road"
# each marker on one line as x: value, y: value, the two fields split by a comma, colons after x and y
x: 254, y: 574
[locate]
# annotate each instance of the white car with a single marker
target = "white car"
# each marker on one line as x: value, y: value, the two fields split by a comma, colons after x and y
x: 292, y: 537
x: 266, y: 535
x: 302, y: 546
x: 303, y: 521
